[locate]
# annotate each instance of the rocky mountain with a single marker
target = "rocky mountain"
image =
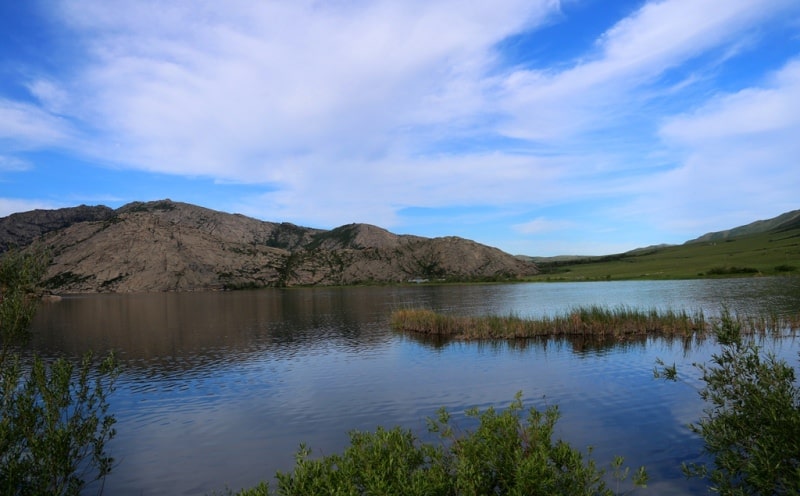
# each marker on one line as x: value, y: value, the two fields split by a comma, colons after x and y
x: 172, y: 246
x: 21, y: 229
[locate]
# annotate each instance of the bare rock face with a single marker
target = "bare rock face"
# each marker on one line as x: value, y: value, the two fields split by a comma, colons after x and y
x: 21, y: 229
x: 171, y: 246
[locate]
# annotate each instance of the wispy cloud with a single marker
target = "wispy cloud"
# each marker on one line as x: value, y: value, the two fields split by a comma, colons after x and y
x: 739, y: 149
x: 247, y: 93
x: 752, y: 113
x: 24, y: 126
x: 359, y: 111
x: 607, y: 87
x: 9, y: 206
x: 13, y: 164
x: 541, y: 225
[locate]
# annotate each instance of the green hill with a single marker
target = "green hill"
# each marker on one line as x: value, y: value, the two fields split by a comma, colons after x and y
x: 788, y: 220
x: 770, y: 247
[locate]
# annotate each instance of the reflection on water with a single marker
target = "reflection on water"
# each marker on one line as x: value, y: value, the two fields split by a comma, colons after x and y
x: 584, y: 346
x: 218, y: 389
x: 148, y: 326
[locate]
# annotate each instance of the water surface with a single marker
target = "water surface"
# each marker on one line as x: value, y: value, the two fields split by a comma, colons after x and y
x: 219, y: 389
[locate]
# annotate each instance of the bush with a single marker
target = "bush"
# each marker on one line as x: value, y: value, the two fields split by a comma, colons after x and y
x: 19, y: 276
x: 751, y: 427
x: 55, y: 425
x: 506, y: 454
x: 726, y: 271
x: 54, y: 421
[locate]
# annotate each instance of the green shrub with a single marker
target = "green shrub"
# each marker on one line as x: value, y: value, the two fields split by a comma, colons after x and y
x: 507, y: 454
x: 19, y: 276
x: 751, y: 426
x: 55, y: 425
x: 54, y: 421
x: 725, y: 271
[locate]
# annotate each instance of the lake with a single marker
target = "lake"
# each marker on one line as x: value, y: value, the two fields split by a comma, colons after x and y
x: 218, y: 389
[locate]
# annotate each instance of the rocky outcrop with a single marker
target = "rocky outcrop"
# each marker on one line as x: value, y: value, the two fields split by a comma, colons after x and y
x: 21, y: 229
x: 171, y: 246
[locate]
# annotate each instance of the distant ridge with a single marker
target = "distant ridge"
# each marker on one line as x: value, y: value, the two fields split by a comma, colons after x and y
x: 172, y: 246
x: 788, y: 220
x: 768, y: 247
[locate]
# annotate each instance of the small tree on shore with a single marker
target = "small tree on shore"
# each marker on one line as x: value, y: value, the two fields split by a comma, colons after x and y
x: 751, y: 426
x: 54, y: 420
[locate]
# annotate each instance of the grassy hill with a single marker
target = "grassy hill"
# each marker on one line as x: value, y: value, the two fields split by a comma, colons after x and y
x: 773, y: 251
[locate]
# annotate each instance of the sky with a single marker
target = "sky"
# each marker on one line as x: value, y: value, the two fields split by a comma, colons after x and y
x: 541, y: 127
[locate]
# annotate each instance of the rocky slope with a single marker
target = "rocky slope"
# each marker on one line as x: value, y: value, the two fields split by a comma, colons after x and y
x: 171, y: 246
x: 21, y: 229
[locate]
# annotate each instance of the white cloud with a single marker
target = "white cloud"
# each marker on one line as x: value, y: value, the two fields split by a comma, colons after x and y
x: 242, y: 93
x: 52, y: 97
x: 604, y: 88
x: 9, y: 206
x: 738, y: 157
x: 542, y: 225
x: 373, y: 191
x: 25, y: 126
x: 749, y: 113
x: 353, y: 111
x: 13, y: 164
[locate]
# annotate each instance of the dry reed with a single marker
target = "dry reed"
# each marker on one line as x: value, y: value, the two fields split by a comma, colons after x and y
x: 619, y: 322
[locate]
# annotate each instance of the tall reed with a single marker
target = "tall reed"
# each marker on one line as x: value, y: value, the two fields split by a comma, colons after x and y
x: 618, y: 322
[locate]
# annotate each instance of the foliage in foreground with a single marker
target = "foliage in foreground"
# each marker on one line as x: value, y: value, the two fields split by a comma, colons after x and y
x: 55, y: 426
x: 751, y: 426
x: 19, y: 276
x: 54, y: 420
x: 507, y: 454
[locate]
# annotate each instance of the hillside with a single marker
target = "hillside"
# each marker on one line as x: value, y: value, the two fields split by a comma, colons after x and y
x: 788, y: 220
x: 21, y: 229
x: 766, y: 247
x: 172, y: 246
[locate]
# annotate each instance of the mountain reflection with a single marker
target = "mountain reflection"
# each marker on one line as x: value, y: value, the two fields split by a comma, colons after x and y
x: 182, y: 329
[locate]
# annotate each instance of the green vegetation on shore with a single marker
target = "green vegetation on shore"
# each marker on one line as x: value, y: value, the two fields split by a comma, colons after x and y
x: 54, y: 418
x: 751, y: 424
x: 508, y: 453
x: 768, y: 253
x: 619, y: 323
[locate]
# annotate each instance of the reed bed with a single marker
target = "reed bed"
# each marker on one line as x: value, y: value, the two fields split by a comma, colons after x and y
x: 619, y: 322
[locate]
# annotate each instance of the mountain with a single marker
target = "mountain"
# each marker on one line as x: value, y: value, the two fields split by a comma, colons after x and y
x: 21, y: 229
x: 789, y: 220
x: 172, y: 246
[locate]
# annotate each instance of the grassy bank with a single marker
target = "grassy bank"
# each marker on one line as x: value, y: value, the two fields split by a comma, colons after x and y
x: 769, y: 254
x: 619, y: 322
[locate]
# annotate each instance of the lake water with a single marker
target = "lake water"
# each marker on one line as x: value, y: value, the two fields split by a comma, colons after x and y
x: 219, y: 389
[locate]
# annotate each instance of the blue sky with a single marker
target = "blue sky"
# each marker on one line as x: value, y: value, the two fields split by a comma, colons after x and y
x: 541, y: 127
